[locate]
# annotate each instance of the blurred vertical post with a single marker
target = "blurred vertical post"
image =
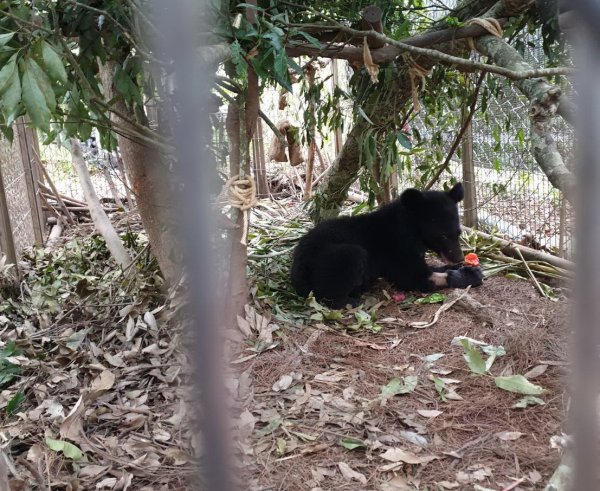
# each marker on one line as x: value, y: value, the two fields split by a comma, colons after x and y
x: 181, y: 28
x: 585, y: 16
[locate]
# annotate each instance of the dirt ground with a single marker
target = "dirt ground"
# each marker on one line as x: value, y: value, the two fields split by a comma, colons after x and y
x: 313, y: 416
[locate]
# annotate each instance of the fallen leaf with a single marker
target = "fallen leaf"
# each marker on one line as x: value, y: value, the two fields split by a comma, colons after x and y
x: 399, y: 455
x: 103, y: 382
x: 352, y: 443
x: 508, y: 436
x: 536, y: 372
x: 519, y: 384
x: 429, y: 413
x: 92, y: 470
x: 284, y: 382
x: 448, y: 484
x: 71, y: 428
x: 398, y: 386
x: 68, y: 449
x: 535, y: 477
x: 351, y: 474
x: 528, y: 401
x: 398, y: 483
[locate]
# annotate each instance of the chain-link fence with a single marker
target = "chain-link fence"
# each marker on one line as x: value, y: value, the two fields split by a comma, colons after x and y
x: 105, y: 170
x: 21, y: 221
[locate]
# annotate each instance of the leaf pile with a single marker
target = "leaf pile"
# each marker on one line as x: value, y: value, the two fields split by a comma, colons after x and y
x: 90, y: 373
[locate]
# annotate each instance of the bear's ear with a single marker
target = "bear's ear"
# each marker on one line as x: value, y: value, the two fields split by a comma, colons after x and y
x: 411, y: 198
x: 457, y: 193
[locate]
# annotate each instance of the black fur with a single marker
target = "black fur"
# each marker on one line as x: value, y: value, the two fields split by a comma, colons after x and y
x: 339, y: 259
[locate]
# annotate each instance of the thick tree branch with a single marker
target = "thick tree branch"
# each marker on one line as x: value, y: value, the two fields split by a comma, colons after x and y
x: 545, y: 100
x: 388, y: 53
x: 399, y: 47
x: 446, y: 58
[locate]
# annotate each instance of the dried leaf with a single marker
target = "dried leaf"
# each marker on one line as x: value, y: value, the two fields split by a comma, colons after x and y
x: 398, y: 483
x: 429, y: 413
x: 536, y: 372
x: 351, y: 474
x: 93, y: 470
x: 71, y: 428
x: 448, y: 484
x: 400, y: 455
x: 508, y: 436
x: 103, y: 382
x: 284, y: 382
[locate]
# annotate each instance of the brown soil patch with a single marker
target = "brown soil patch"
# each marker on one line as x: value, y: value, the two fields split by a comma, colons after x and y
x: 295, y: 435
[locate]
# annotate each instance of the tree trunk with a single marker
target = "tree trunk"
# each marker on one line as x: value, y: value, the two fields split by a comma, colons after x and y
x: 344, y: 170
x: 545, y: 100
x: 238, y: 258
x: 150, y: 182
x: 99, y: 217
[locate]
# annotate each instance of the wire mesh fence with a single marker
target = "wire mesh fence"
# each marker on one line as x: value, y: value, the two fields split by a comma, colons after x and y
x: 103, y: 166
x: 21, y: 227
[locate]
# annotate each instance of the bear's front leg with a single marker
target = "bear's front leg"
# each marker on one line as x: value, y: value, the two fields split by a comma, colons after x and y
x: 464, y: 277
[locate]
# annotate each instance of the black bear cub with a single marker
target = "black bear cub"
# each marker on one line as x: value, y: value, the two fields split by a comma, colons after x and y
x: 340, y: 259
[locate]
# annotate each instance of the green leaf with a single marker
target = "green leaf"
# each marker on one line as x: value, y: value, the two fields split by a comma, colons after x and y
x: 15, y: 402
x: 270, y: 428
x: 5, y: 38
x: 11, y: 97
x: 237, y: 58
x: 494, y: 352
x: 473, y: 357
x: 332, y: 315
x: 53, y: 63
x: 352, y: 443
x: 43, y: 83
x: 7, y: 72
x: 529, y: 401
x: 403, y: 140
x: 280, y: 71
x: 364, y: 115
x: 35, y: 102
x: 440, y: 387
x: 519, y: 385
x: 397, y: 386
x: 314, y: 41
x: 433, y: 298
x: 68, y: 449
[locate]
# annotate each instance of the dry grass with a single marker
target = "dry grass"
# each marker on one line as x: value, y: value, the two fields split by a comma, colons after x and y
x: 338, y: 396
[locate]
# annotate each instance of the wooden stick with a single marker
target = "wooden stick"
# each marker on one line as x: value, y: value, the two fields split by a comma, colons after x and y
x: 66, y: 199
x: 60, y: 219
x: 54, y: 190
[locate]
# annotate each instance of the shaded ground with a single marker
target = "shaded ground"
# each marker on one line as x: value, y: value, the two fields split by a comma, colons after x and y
x: 314, y: 416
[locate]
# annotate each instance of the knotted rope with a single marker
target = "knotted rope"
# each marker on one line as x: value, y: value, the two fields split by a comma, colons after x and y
x: 241, y: 194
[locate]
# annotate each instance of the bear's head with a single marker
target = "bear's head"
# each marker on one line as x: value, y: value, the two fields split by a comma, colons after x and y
x: 434, y: 215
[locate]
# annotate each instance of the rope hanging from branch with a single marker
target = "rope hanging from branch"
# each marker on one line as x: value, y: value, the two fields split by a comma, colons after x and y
x: 490, y: 24
x: 415, y: 72
x: 241, y: 194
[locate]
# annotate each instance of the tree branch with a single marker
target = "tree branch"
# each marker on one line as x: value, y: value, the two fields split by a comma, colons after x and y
x: 395, y: 48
